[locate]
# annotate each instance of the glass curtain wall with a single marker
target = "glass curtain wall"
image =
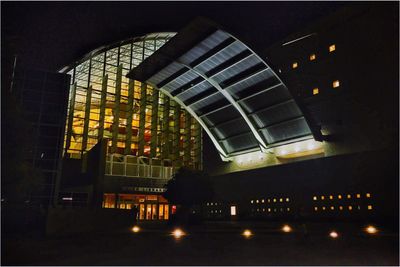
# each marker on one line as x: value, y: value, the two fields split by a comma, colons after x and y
x: 136, y: 119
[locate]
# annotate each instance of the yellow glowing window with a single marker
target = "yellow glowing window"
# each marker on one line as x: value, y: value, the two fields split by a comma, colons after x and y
x: 312, y: 57
x: 368, y: 195
x: 339, y: 196
x: 288, y: 209
x: 350, y: 207
x: 322, y: 197
x: 330, y: 197
x: 294, y: 65
x: 332, y: 48
x: 340, y: 207
x: 315, y: 91
x: 323, y: 208
x: 332, y: 207
x: 336, y: 84
x: 314, y: 198
x: 280, y: 200
x: 369, y: 207
x: 358, y: 195
x: 257, y: 201
x: 348, y: 196
x: 263, y: 209
x: 269, y: 200
x: 262, y: 200
x: 316, y: 208
x: 274, y: 199
x: 287, y: 199
x: 269, y: 210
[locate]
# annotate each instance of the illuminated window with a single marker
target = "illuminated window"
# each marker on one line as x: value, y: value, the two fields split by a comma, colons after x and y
x: 209, y: 203
x: 350, y: 207
x: 263, y: 209
x: 316, y: 208
x: 287, y: 199
x: 269, y: 200
x: 288, y: 209
x: 281, y: 200
x: 257, y: 201
x: 262, y: 200
x: 252, y: 201
x: 315, y: 91
x: 274, y: 210
x: 281, y: 209
x: 330, y: 197
x: 233, y: 210
x: 312, y: 57
x: 212, y: 203
x: 341, y: 207
x: 332, y: 207
x: 368, y: 195
x: 314, y: 198
x: 269, y: 210
x: 294, y: 65
x: 358, y: 195
x: 369, y: 207
x: 332, y: 48
x: 339, y: 196
x: 274, y: 199
x: 323, y: 208
x: 348, y: 196
x: 322, y: 197
x: 335, y: 84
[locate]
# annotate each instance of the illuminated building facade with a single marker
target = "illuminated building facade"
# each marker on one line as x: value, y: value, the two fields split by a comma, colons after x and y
x: 147, y: 135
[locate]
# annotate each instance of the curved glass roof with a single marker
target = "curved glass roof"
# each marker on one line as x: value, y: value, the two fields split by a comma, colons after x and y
x: 237, y: 98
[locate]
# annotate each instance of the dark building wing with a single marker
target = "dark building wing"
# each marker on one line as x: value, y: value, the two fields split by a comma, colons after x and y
x: 237, y: 98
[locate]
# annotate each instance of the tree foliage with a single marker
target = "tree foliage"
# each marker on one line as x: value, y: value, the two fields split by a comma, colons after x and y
x: 189, y: 187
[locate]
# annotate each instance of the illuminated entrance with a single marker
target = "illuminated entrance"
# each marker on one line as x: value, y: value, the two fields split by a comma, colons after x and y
x: 151, y: 207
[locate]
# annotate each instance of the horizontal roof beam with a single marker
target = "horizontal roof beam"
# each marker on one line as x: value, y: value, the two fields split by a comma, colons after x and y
x: 212, y: 52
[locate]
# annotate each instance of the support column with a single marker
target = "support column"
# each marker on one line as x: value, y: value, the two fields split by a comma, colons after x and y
x: 87, y: 119
x: 165, y: 130
x: 129, y: 112
x: 142, y: 118
x: 116, y: 109
x: 154, y: 123
x: 102, y: 106
x: 70, y: 117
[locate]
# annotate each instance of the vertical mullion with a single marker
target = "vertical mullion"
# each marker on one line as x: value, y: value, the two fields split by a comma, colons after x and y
x: 186, y: 140
x: 70, y: 117
x: 116, y: 109
x: 176, y: 138
x: 103, y: 106
x: 154, y: 123
x: 165, y: 129
x: 129, y: 112
x: 142, y: 118
x: 87, y: 118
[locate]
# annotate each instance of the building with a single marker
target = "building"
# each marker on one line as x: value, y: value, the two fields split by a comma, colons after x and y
x: 309, y: 126
x: 306, y: 127
x: 146, y: 135
x: 42, y: 101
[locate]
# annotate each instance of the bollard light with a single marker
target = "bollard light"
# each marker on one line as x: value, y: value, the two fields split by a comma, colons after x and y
x: 286, y: 228
x: 333, y: 234
x: 370, y: 229
x: 135, y: 229
x: 247, y: 233
x: 178, y: 233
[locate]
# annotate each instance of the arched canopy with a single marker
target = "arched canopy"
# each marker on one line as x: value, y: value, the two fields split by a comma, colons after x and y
x: 237, y: 98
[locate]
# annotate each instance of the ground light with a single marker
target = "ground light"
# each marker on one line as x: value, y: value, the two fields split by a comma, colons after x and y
x: 135, y: 229
x: 286, y: 228
x: 178, y: 233
x: 370, y: 229
x: 333, y: 234
x: 247, y: 233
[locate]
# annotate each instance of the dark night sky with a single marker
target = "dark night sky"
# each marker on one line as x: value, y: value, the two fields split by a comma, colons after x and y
x: 49, y: 35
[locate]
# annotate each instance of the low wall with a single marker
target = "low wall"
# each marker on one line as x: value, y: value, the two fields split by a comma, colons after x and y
x: 61, y: 221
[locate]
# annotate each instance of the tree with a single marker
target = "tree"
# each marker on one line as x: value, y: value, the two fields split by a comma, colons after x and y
x: 189, y: 188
